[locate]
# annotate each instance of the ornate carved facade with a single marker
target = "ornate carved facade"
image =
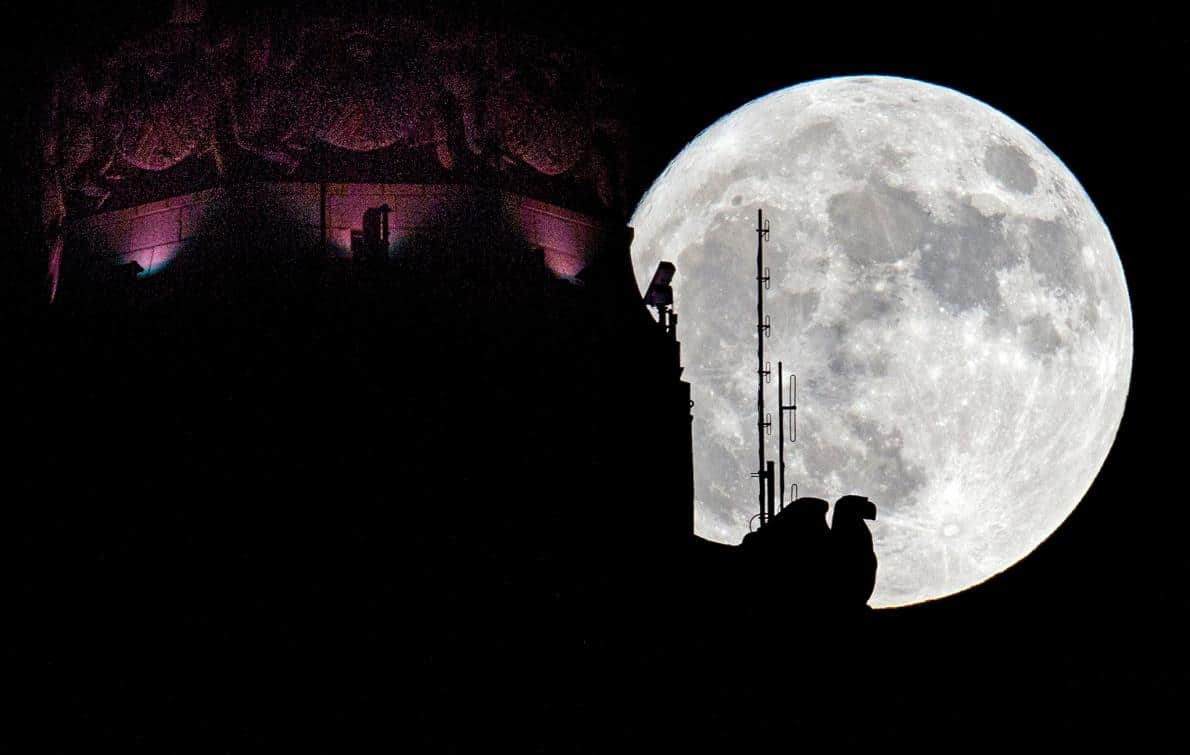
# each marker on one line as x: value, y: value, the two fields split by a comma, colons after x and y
x: 381, y: 99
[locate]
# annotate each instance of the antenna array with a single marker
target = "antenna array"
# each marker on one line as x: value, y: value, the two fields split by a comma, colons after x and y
x: 764, y: 422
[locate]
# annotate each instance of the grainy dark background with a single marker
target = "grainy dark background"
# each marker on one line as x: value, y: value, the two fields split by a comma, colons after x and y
x: 1084, y: 640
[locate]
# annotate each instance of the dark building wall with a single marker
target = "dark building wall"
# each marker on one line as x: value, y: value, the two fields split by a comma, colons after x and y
x: 496, y: 319
x: 435, y: 472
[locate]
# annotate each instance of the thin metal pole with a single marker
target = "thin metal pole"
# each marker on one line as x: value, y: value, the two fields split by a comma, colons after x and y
x: 768, y: 478
x: 760, y: 360
x: 781, y: 431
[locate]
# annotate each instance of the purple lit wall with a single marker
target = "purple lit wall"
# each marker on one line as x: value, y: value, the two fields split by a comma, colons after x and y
x: 151, y: 235
x: 156, y: 235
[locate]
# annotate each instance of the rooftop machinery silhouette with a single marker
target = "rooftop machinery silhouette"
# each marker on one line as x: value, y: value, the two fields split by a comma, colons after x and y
x: 764, y: 422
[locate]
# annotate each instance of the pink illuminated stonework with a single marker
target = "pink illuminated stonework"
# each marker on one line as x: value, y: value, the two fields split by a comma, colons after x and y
x: 157, y: 234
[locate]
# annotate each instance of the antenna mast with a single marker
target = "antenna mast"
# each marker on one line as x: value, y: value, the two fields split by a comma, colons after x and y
x: 764, y: 423
x: 765, y: 474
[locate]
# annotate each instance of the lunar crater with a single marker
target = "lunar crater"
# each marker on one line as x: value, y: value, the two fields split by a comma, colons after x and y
x: 1041, y: 336
x: 1010, y: 166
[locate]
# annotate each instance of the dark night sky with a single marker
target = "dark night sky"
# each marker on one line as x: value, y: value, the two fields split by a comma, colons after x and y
x: 1098, y: 603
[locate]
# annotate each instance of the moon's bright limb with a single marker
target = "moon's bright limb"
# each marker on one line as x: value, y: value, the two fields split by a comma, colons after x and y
x: 950, y: 299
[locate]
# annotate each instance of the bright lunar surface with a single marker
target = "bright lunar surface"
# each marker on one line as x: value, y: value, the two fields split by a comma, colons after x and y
x: 948, y: 296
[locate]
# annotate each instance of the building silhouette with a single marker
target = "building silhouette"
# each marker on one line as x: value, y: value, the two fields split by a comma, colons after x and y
x: 376, y: 416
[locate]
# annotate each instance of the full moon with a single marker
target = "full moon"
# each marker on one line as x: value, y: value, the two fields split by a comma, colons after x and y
x: 948, y: 296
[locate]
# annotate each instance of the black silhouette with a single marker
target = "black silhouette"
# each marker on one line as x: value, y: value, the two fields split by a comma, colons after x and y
x: 792, y: 550
x: 853, y: 559
x: 431, y: 506
x: 325, y: 459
